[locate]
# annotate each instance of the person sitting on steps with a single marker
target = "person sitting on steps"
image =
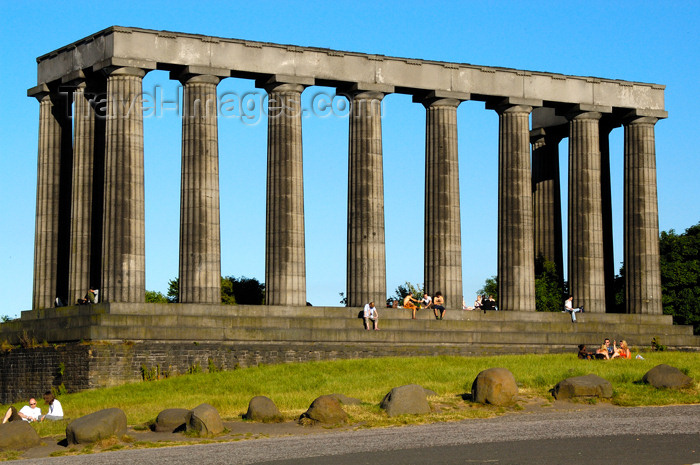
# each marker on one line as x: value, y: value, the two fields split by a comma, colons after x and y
x: 439, y: 306
x: 408, y: 303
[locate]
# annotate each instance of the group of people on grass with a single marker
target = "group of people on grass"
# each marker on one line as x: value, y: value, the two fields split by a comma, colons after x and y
x: 606, y: 351
x: 31, y: 412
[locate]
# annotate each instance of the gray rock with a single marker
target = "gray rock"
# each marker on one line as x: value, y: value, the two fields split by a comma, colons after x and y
x: 345, y: 400
x: 205, y: 420
x: 583, y: 386
x: 95, y: 426
x: 326, y: 410
x: 171, y: 420
x: 18, y: 435
x: 666, y: 376
x: 495, y: 386
x: 409, y: 399
x: 261, y: 408
x: 430, y: 392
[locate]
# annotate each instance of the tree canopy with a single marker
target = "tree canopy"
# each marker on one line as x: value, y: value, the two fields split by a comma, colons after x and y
x: 680, y: 275
x: 243, y: 291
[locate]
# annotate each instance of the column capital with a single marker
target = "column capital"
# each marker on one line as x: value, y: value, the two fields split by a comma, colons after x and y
x: 198, y: 78
x: 437, y: 98
x: 183, y: 74
x: 554, y: 133
x: 124, y: 71
x: 39, y: 92
x: 513, y: 105
x: 583, y: 115
x: 633, y: 119
x: 284, y: 82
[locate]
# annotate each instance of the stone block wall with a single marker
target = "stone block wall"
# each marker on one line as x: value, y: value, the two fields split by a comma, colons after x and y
x: 79, y: 366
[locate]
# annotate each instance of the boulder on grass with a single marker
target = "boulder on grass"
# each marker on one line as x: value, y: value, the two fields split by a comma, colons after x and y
x: 326, y: 410
x: 95, y: 426
x: 18, y: 435
x: 409, y: 399
x: 666, y: 376
x: 345, y: 400
x: 205, y: 420
x: 495, y: 386
x: 171, y: 420
x: 261, y: 408
x: 583, y: 386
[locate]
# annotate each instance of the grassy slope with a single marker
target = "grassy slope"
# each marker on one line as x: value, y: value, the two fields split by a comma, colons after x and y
x: 294, y: 386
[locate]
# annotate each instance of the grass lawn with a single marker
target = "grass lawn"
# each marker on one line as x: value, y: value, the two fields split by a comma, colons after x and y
x: 294, y: 386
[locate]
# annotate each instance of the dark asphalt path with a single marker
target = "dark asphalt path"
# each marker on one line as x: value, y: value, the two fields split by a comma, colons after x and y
x: 651, y: 435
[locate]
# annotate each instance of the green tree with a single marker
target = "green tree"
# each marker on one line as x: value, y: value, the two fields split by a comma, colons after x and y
x: 244, y: 291
x: 174, y: 291
x: 227, y: 295
x: 155, y: 297
x: 416, y: 290
x: 680, y: 275
x: 549, y: 287
x: 490, y: 288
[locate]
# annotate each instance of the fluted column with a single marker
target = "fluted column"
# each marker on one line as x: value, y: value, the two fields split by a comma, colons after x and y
x: 547, y: 196
x: 366, y: 265
x: 123, y: 245
x: 585, y: 224
x: 607, y: 125
x: 53, y: 124
x: 200, y: 242
x: 442, y: 239
x: 285, y: 261
x: 516, y: 245
x: 641, y: 219
x: 81, y: 245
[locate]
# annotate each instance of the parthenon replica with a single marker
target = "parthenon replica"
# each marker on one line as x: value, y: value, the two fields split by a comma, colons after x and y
x: 90, y: 204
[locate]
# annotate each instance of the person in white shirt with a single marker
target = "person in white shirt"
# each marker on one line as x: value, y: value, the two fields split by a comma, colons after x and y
x: 28, y: 413
x: 569, y: 307
x: 370, y: 313
x: 55, y: 409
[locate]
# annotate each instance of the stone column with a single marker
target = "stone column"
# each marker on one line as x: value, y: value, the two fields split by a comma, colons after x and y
x: 442, y: 241
x: 81, y: 246
x: 547, y: 195
x: 123, y: 244
x: 366, y: 265
x: 586, y: 261
x: 607, y: 125
x: 516, y: 244
x: 641, y: 219
x: 52, y: 184
x: 200, y: 242
x: 285, y: 260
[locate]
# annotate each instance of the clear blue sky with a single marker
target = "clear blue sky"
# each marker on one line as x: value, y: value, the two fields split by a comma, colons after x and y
x: 638, y: 40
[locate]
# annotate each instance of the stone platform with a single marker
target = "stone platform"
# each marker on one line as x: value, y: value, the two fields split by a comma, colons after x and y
x: 101, y: 345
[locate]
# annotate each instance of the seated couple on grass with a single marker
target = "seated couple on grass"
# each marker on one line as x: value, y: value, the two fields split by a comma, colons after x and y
x: 606, y: 351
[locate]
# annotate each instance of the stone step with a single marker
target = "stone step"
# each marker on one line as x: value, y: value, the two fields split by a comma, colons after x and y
x: 553, y: 323
x: 322, y: 312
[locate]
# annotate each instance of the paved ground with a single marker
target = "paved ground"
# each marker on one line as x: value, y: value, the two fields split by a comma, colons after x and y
x: 649, y: 435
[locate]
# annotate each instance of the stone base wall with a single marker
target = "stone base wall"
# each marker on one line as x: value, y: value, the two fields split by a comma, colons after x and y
x: 79, y: 366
